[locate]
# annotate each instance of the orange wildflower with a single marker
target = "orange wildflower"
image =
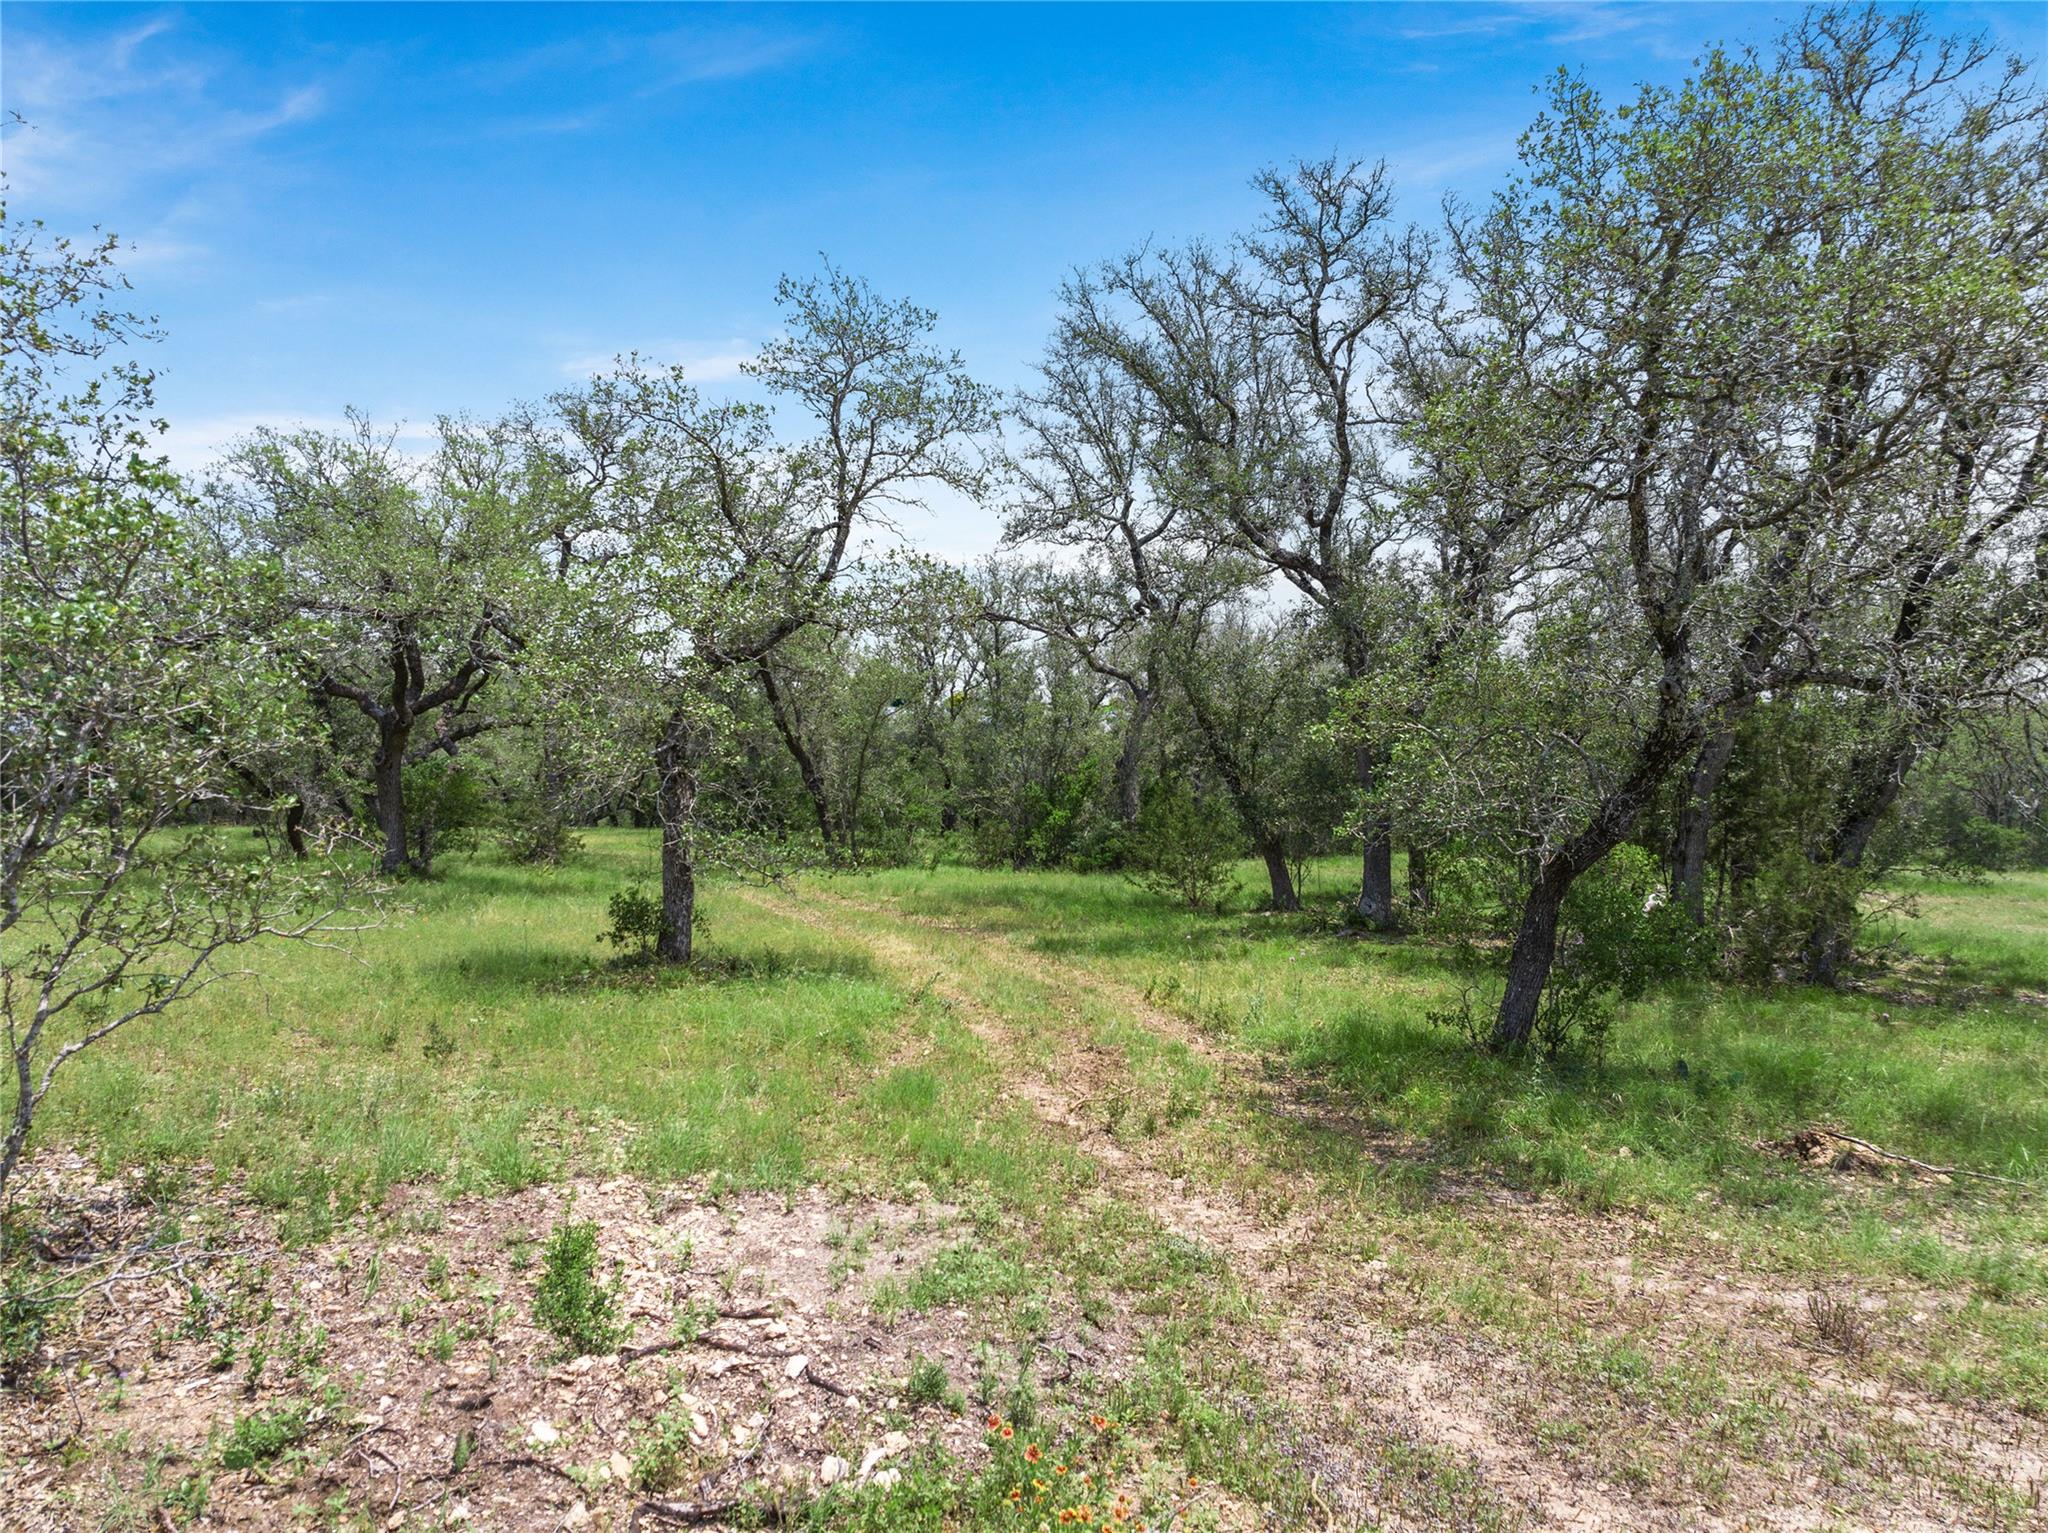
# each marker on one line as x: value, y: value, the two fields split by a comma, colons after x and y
x: 1031, y: 1453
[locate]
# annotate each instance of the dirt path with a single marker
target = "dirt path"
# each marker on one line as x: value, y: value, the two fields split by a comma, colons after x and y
x: 1351, y: 1387
x: 1363, y: 1391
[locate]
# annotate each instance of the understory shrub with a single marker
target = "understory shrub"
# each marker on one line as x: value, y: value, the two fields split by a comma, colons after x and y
x: 1183, y: 849
x: 573, y: 1304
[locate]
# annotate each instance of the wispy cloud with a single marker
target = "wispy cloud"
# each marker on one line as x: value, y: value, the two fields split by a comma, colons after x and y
x: 702, y: 362
x: 1582, y: 24
x: 195, y: 446
x: 626, y: 65
x: 99, y: 113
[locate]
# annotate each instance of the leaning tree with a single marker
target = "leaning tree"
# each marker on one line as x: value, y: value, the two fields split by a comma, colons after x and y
x: 134, y: 685
x: 1713, y: 303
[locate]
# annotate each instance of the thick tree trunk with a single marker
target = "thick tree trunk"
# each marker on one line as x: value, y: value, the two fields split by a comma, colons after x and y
x: 678, y: 762
x: 387, y: 776
x: 1130, y: 794
x: 1279, y: 877
x: 1376, y: 882
x: 1529, y: 965
x: 1695, y: 820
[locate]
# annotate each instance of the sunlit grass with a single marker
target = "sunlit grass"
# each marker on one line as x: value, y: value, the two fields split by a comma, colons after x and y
x: 483, y: 1036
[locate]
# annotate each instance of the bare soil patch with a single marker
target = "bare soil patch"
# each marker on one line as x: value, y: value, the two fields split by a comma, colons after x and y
x: 403, y: 1358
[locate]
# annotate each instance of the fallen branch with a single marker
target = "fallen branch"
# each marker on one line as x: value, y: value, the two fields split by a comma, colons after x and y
x: 516, y: 1461
x: 677, y: 1343
x: 1924, y: 1167
x: 830, y: 1385
x: 692, y: 1514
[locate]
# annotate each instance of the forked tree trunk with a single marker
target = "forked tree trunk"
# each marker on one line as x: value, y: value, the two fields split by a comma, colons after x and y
x: 678, y: 767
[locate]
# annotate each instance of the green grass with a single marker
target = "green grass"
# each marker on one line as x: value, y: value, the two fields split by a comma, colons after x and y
x: 1991, y: 931
x: 482, y: 1037
x: 1696, y: 1075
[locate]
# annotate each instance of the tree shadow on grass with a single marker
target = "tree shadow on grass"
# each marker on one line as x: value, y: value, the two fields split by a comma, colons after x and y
x: 559, y: 971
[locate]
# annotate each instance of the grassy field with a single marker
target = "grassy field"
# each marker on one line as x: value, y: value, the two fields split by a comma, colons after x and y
x: 1497, y: 1293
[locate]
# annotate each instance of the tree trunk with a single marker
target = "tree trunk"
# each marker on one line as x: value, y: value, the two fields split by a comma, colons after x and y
x: 1376, y: 883
x: 1875, y: 780
x: 387, y: 773
x: 1130, y: 794
x: 1529, y: 964
x: 1695, y: 819
x: 295, y: 827
x: 1278, y: 876
x: 1420, y: 897
x: 677, y: 764
x: 787, y: 725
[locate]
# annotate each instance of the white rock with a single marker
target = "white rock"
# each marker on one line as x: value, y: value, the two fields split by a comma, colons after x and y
x: 888, y: 1477
x: 833, y: 1470
x: 795, y: 1367
x: 543, y: 1432
x: 872, y: 1457
x: 621, y: 1466
x: 895, y: 1443
x: 578, y: 1515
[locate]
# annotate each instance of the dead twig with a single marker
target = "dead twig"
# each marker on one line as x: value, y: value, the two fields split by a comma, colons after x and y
x: 691, y: 1514
x: 1924, y: 1167
x: 826, y: 1382
x: 677, y: 1343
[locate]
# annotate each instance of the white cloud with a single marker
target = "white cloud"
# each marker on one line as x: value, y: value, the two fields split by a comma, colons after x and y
x: 702, y: 362
x: 99, y: 114
x: 193, y: 446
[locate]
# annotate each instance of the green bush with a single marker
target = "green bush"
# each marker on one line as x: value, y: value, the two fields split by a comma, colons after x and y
x: 1183, y: 849
x: 259, y: 1438
x: 638, y: 925
x: 572, y: 1303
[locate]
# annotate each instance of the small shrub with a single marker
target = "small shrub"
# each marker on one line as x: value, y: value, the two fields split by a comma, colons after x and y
x: 662, y: 1461
x: 572, y: 1304
x: 928, y: 1384
x: 536, y: 835
x: 1183, y: 849
x: 638, y: 925
x: 261, y: 1437
x: 25, y: 1319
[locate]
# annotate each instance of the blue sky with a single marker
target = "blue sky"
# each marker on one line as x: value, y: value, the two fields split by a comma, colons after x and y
x: 413, y: 209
